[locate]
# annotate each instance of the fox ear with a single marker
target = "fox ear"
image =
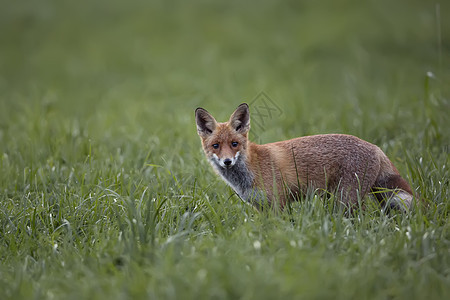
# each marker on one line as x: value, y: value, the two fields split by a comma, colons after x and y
x: 205, y: 122
x: 240, y: 119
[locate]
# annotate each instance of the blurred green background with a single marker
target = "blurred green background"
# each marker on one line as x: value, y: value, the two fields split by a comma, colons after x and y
x: 97, y: 129
x: 122, y: 67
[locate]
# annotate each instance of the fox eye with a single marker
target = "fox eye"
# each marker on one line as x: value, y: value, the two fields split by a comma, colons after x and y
x: 234, y: 144
x: 216, y: 146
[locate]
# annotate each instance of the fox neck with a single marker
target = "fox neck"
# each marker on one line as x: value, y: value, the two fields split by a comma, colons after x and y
x: 238, y: 177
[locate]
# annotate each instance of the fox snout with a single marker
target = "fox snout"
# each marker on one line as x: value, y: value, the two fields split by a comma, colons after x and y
x: 226, y: 162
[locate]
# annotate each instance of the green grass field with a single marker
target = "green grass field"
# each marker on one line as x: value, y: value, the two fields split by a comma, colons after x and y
x: 105, y: 192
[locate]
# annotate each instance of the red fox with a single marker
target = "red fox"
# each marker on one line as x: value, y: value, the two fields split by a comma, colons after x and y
x: 278, y: 172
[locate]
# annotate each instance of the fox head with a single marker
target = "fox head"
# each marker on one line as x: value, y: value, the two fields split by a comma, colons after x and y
x: 224, y: 143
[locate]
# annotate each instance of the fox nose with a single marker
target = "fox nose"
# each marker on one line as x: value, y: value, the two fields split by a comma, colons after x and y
x: 227, y: 161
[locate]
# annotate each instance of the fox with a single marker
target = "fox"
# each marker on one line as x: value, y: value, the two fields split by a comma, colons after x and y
x: 276, y: 173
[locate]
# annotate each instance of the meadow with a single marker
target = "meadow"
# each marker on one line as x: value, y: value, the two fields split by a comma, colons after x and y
x: 105, y: 192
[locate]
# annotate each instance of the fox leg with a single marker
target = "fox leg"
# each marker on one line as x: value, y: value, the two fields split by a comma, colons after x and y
x: 355, y: 184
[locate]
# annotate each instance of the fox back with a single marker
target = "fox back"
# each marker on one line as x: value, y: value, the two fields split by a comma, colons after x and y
x: 279, y: 172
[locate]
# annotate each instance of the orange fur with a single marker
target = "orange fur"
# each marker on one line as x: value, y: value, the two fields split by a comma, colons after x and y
x: 278, y: 172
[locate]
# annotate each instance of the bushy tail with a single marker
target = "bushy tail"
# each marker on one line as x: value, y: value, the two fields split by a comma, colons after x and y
x: 393, y: 191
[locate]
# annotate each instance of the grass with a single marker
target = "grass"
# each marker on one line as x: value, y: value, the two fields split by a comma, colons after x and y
x: 105, y: 192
